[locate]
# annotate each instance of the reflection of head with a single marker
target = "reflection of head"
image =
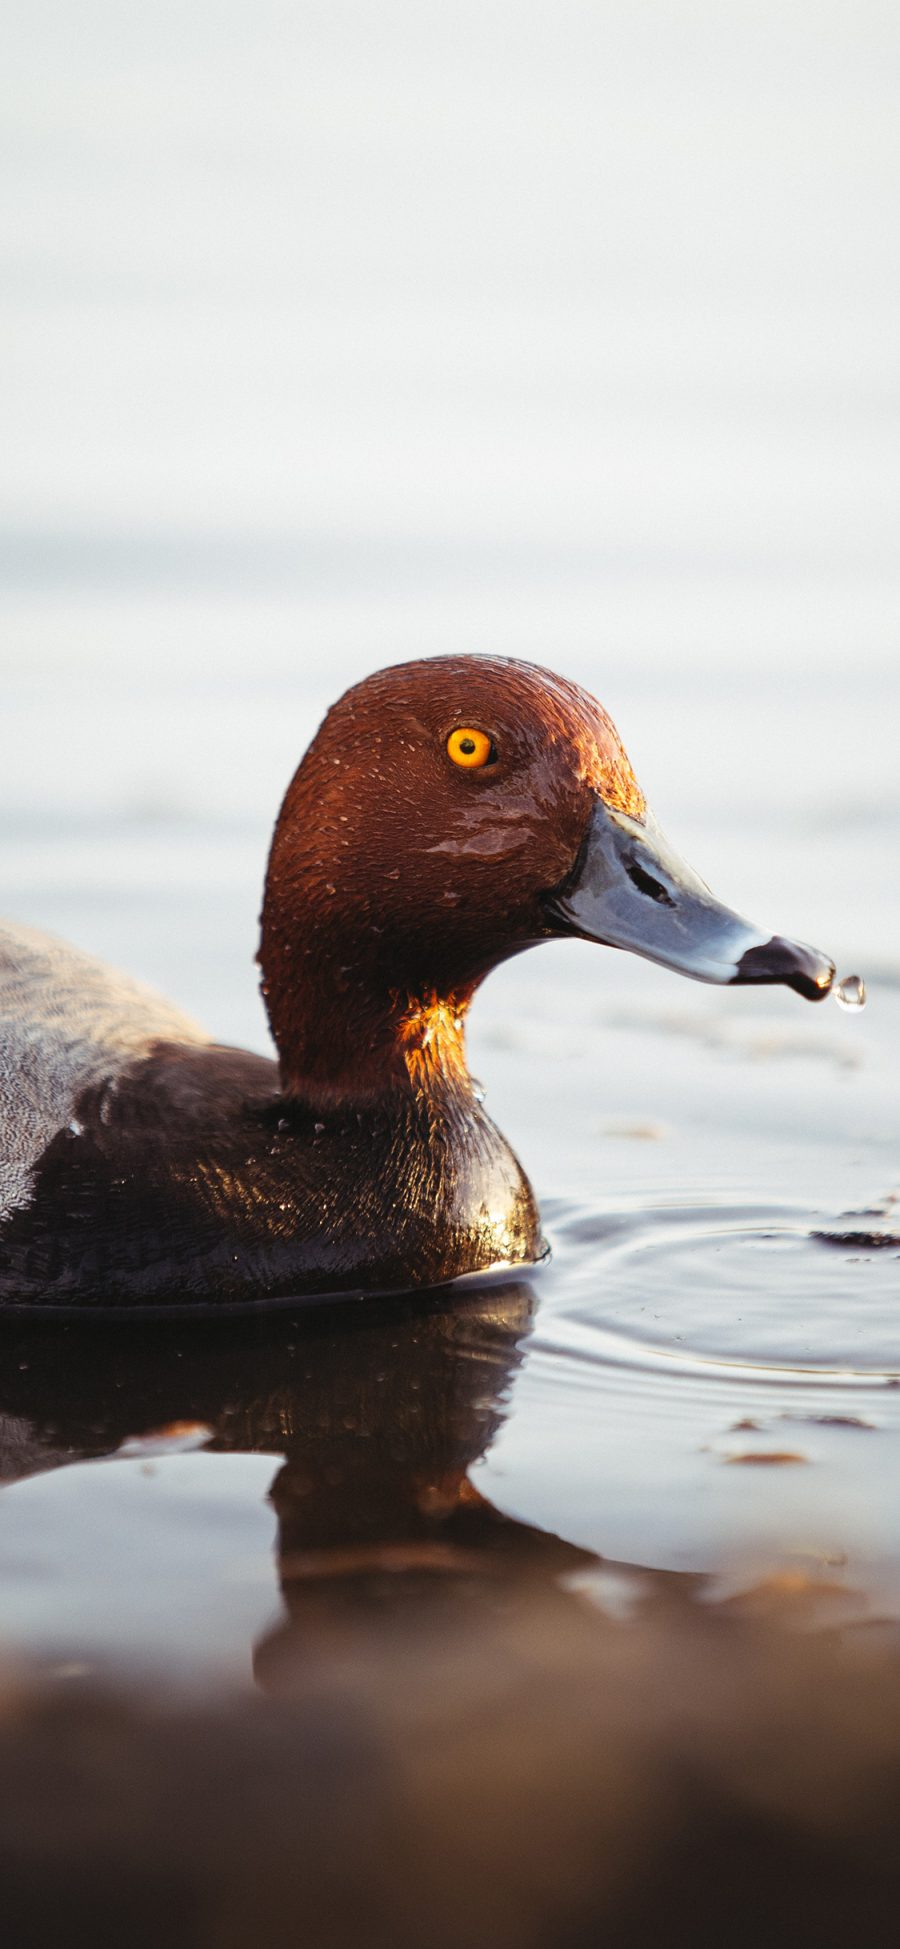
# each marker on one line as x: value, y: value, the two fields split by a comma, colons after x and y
x: 378, y: 1521
x: 394, y: 1407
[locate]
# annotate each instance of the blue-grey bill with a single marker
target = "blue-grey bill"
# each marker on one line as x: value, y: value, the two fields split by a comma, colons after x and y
x: 630, y: 890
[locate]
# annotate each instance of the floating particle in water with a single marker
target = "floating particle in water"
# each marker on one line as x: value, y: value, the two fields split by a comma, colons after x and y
x: 863, y: 1241
x: 851, y: 992
x: 767, y: 1458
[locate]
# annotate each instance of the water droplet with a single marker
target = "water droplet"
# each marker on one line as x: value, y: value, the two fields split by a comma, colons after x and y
x: 851, y: 992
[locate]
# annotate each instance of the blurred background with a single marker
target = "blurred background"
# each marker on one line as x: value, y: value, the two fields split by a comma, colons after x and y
x: 336, y: 334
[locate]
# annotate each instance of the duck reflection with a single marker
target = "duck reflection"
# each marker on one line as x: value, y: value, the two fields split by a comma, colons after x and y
x: 379, y: 1410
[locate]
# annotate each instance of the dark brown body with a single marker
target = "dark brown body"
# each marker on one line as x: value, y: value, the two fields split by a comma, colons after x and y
x: 197, y: 1180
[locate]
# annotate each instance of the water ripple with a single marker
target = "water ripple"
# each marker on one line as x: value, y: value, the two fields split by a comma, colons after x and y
x: 737, y: 1291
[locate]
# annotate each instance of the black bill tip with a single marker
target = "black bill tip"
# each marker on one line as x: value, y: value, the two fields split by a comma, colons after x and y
x: 793, y: 964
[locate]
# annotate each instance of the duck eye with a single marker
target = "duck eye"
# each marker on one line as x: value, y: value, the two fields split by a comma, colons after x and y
x: 471, y: 749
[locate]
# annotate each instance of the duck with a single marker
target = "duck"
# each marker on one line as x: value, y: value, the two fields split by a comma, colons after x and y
x: 449, y: 814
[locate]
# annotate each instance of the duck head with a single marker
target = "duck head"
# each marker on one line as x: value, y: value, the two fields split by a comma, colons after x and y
x: 448, y: 814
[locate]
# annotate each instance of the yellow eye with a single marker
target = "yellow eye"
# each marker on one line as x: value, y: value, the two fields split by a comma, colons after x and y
x: 469, y: 748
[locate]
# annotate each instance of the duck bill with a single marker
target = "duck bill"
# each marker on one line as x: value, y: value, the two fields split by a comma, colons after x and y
x: 629, y: 889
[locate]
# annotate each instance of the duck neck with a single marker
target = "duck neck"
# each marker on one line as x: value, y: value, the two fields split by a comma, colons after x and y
x: 384, y: 1059
x: 344, y: 1039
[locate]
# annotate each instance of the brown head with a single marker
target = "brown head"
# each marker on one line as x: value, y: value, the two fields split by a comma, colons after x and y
x: 447, y: 814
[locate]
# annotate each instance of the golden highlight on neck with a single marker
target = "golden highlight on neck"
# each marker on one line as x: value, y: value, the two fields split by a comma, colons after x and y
x: 432, y: 1039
